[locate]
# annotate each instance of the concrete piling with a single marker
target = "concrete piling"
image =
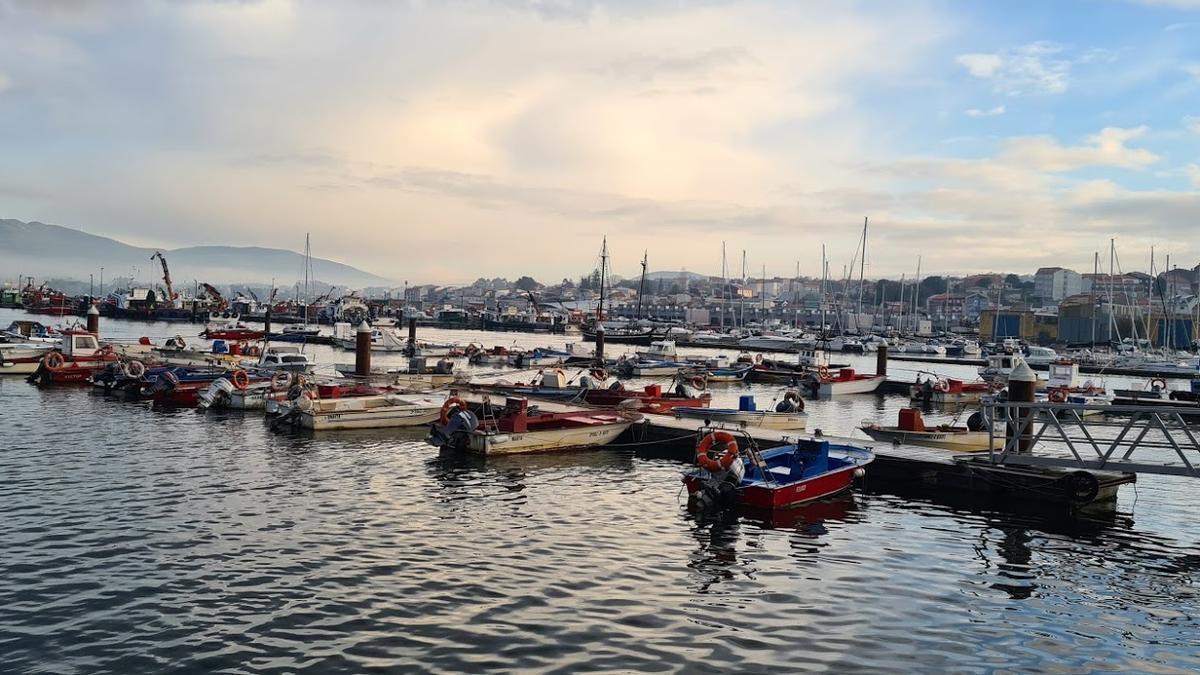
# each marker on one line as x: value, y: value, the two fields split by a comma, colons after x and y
x: 1022, y: 382
x: 599, y: 344
x: 881, y: 360
x: 362, y: 350
x: 93, y: 321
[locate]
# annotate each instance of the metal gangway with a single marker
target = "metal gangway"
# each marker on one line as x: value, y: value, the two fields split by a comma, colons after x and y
x: 1151, y: 439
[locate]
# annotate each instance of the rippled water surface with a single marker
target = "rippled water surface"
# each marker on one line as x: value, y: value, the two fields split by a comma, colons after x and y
x: 139, y: 540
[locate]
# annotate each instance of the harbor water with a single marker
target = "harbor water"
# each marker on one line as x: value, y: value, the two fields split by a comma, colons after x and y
x: 138, y: 539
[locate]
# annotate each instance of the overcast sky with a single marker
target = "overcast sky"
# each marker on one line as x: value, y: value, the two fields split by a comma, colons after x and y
x: 443, y: 141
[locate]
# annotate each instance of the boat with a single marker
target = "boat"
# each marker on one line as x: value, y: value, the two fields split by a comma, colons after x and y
x: 183, y: 387
x: 911, y: 429
x: 1000, y: 366
x: 659, y: 350
x: 825, y: 384
x: 539, y: 356
x: 418, y: 374
x: 21, y: 331
x: 228, y: 326
x: 961, y: 347
x: 78, y: 357
x: 649, y: 399
x: 777, y: 478
x: 735, y: 373
x: 552, y: 384
x: 631, y: 336
x: 1040, y: 356
x: 379, y: 411
x: 776, y: 343
x: 496, y: 356
x: 284, y: 358
x: 948, y: 391
x: 297, y: 332
x: 643, y: 368
x: 517, y: 428
x: 22, y: 358
x: 788, y: 413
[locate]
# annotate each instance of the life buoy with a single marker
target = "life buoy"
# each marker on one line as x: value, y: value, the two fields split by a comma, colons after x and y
x: 180, y: 343
x: 942, y: 386
x: 725, y: 460
x: 451, y: 403
x: 280, y: 381
x: 54, y: 360
x: 1158, y: 384
x: 1058, y: 396
x: 134, y: 369
x: 240, y: 379
x: 600, y: 374
x: 698, y: 382
x: 758, y: 358
x: 253, y: 350
x: 823, y: 372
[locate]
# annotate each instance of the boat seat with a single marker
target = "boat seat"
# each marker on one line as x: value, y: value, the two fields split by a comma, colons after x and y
x: 781, y: 472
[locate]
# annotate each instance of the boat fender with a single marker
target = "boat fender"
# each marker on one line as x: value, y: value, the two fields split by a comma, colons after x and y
x: 860, y: 472
x: 240, y: 379
x: 54, y: 360
x: 758, y: 358
x: 180, y: 343
x: 1081, y: 486
x: 728, y: 448
x: 451, y: 403
x: 302, y: 403
x: 295, y: 392
x: 280, y: 381
x: 794, y: 396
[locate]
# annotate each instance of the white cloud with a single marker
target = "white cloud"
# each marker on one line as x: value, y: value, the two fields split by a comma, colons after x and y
x: 1192, y: 123
x: 990, y: 112
x: 5, y: 82
x: 1192, y: 69
x: 1193, y: 172
x: 1107, y: 148
x: 1028, y: 69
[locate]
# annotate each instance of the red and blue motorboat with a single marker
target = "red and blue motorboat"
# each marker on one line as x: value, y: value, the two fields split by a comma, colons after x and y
x: 777, y: 478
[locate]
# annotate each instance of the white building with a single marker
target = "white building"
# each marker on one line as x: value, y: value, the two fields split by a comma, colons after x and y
x: 1056, y: 283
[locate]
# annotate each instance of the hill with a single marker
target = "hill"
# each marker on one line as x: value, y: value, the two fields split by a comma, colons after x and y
x: 43, y: 250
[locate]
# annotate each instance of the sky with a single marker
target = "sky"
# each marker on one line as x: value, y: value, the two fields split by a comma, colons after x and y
x: 438, y: 142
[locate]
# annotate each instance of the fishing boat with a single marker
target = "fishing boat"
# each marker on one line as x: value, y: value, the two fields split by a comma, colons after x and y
x: 1000, y: 366
x: 496, y: 356
x: 539, y: 356
x: 777, y: 478
x: 517, y: 428
x: 643, y: 368
x: 379, y: 411
x: 78, y: 357
x: 284, y: 358
x: 551, y: 384
x: 948, y: 391
x: 1063, y: 386
x: 649, y: 399
x: 228, y: 326
x: 735, y: 373
x: 183, y: 387
x: 776, y: 343
x: 21, y: 331
x: 788, y: 413
x: 845, y: 381
x: 911, y: 429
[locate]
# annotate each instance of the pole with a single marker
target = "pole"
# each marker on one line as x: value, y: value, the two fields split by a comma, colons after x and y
x: 93, y: 321
x: 862, y: 267
x: 881, y: 359
x: 1021, y: 384
x: 362, y: 350
x: 600, y: 344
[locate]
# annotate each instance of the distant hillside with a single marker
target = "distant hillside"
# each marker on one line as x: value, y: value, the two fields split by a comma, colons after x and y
x: 43, y: 250
x: 672, y: 276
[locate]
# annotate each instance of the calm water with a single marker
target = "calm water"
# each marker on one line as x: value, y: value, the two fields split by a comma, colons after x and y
x: 140, y: 540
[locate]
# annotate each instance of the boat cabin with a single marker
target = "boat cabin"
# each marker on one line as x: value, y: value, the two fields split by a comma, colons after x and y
x: 285, y: 358
x: 79, y: 343
x: 1063, y: 373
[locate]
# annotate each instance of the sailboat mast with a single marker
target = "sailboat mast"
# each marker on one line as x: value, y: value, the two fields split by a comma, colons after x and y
x: 603, y: 273
x: 862, y: 266
x: 916, y: 295
x: 741, y: 298
x: 824, y: 277
x: 724, y: 288
x: 307, y: 264
x: 642, y: 285
x: 763, y: 293
x: 1095, y: 277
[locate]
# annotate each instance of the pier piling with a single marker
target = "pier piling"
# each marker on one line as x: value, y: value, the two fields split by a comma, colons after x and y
x: 93, y: 321
x: 1021, y: 385
x: 600, y: 344
x: 881, y: 357
x: 362, y: 350
x: 267, y: 321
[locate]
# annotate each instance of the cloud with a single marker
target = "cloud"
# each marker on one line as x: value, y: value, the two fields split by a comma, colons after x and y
x: 5, y: 82
x: 1192, y: 123
x: 1193, y: 172
x: 1105, y: 149
x: 990, y: 112
x: 1034, y: 68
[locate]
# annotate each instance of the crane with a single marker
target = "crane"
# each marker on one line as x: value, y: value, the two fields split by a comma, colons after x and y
x: 172, y: 296
x: 215, y: 295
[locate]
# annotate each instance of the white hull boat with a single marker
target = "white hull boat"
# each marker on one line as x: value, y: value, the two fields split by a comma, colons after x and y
x: 793, y: 421
x: 367, y: 412
x: 503, y: 443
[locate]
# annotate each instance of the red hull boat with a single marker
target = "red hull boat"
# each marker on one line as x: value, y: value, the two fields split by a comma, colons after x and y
x: 650, y: 400
x: 80, y: 357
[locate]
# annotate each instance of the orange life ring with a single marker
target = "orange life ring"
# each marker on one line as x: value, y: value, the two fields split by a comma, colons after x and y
x: 240, y: 379
x: 1158, y: 384
x: 280, y: 381
x: 942, y: 386
x: 823, y: 372
x: 103, y: 351
x: 698, y: 382
x: 450, y: 404
x: 600, y: 373
x: 725, y: 460
x: 54, y: 360
x: 1058, y: 396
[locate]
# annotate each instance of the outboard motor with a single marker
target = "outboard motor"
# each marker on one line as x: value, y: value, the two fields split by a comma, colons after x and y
x: 587, y: 382
x: 452, y: 435
x: 786, y: 406
x: 975, y: 422
x: 719, y: 490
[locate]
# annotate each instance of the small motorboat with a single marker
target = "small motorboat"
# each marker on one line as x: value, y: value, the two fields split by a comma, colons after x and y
x: 948, y: 391
x: 973, y: 437
x: 496, y: 356
x: 378, y: 411
x: 659, y: 350
x: 845, y: 381
x: 540, y: 356
x: 644, y: 368
x: 285, y: 358
x: 517, y: 428
x: 778, y: 478
x: 788, y: 413
x: 22, y: 358
x: 21, y: 331
x: 735, y: 373
x: 650, y: 399
x: 227, y: 326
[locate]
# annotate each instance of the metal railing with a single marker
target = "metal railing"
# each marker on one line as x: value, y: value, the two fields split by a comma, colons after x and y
x: 1096, y: 437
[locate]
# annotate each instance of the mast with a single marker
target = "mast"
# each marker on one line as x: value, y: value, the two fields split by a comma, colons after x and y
x: 603, y: 273
x: 1112, y: 252
x: 900, y: 318
x: 741, y: 299
x: 724, y: 288
x: 1095, y: 277
x: 862, y: 266
x: 763, y: 293
x: 916, y: 295
x: 642, y: 285
x: 307, y: 265
x: 824, y: 277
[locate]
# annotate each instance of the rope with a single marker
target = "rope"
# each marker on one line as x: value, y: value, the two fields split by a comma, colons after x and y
x: 653, y: 442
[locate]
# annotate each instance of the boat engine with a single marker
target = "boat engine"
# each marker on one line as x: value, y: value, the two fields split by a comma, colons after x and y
x: 719, y: 489
x: 454, y: 433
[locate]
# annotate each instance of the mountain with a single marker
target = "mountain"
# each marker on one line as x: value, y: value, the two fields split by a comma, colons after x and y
x: 673, y: 276
x: 43, y: 250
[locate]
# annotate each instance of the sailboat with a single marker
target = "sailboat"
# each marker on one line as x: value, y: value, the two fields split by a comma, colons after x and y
x: 300, y: 332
